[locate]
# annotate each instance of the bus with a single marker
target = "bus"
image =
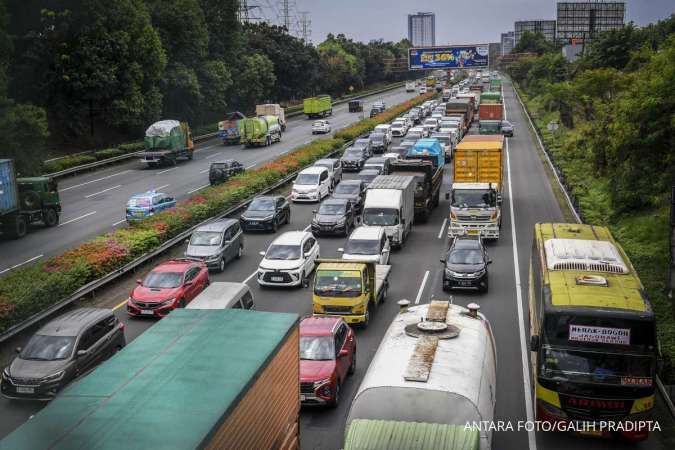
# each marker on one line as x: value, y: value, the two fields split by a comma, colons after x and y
x: 592, y: 334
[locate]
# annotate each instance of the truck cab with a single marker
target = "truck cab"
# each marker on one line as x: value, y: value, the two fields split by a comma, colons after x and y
x: 350, y: 289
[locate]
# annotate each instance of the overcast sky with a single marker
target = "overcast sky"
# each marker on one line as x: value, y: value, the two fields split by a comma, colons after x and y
x: 457, y: 22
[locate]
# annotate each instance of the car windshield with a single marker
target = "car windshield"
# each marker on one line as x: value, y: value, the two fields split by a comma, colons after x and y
x: 465, y: 256
x: 344, y: 188
x: 362, y: 247
x: 48, y: 348
x: 317, y: 348
x: 380, y: 217
x: 206, y: 238
x: 338, y: 283
x: 332, y: 209
x: 162, y: 280
x: 397, y: 125
x: 140, y: 202
x: 318, y: 124
x: 327, y: 165
x: 473, y: 198
x: 283, y: 252
x: 377, y: 137
x: 262, y: 204
x: 355, y: 153
x: 307, y: 179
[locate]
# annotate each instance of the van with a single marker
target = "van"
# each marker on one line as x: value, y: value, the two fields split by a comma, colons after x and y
x: 216, y: 243
x: 224, y: 295
x: 311, y: 185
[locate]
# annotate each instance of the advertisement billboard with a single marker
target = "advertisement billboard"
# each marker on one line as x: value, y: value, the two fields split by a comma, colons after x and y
x: 451, y: 57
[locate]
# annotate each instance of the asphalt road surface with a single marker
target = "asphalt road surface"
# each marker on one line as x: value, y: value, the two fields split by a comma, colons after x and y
x: 94, y: 203
x: 417, y: 276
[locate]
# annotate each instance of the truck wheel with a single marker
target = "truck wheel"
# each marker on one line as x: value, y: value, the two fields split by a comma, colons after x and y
x: 385, y: 288
x: 16, y: 227
x: 190, y: 156
x: 366, y: 320
x: 268, y: 141
x: 50, y: 217
x: 152, y: 165
x: 352, y: 366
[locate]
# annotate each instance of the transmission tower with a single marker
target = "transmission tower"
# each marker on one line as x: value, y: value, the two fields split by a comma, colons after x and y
x: 286, y: 13
x: 244, y: 12
x: 305, y: 26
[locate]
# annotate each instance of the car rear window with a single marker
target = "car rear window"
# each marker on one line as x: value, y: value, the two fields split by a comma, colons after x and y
x: 140, y: 201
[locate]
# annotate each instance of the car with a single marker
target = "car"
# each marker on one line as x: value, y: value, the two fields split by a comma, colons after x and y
x: 406, y: 145
x: 170, y: 285
x: 365, y: 144
x: 507, y: 128
x: 289, y: 260
x: 399, y: 150
x: 447, y: 143
x: 334, y: 169
x: 368, y: 175
x: 327, y: 357
x: 379, y: 163
x: 142, y: 206
x: 466, y: 265
x: 63, y: 349
x: 423, y: 90
x: 418, y: 131
x: 431, y: 124
x: 335, y: 216
x: 352, y: 190
x: 266, y: 213
x: 356, y: 105
x: 221, y: 171
x: 399, y: 129
x: 384, y: 128
x: 311, y: 185
x: 378, y: 142
x: 321, y: 127
x: 391, y: 157
x: 367, y: 244
x: 353, y: 159
x: 216, y: 243
x: 406, y: 120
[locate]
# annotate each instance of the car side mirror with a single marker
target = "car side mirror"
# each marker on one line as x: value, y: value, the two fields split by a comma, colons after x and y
x: 341, y: 250
x: 314, y: 211
x: 442, y: 260
x: 18, y: 349
x: 534, y: 343
x: 228, y: 242
x: 344, y: 352
x: 499, y: 199
x: 187, y: 241
x: 261, y: 253
x: 139, y: 282
x: 308, y: 254
x: 489, y: 261
x: 188, y: 283
x: 81, y: 353
x: 447, y: 196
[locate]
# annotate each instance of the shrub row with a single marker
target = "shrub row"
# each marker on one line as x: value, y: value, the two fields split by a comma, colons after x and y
x: 67, y: 162
x: 29, y: 290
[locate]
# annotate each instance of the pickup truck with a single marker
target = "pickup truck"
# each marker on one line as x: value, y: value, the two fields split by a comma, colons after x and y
x: 339, y: 289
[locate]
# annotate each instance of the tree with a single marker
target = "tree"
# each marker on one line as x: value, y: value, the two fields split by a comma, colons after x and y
x: 255, y: 81
x: 533, y: 43
x: 216, y: 81
x: 614, y: 48
x: 224, y: 29
x: 338, y: 69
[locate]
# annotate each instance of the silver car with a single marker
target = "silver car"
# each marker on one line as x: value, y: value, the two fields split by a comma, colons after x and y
x: 216, y: 243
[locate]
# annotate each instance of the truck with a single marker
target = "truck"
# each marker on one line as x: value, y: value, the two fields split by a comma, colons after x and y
x: 461, y: 106
x: 350, y: 289
x: 447, y: 93
x: 390, y: 203
x: 205, y: 378
x: 410, y: 86
x: 228, y: 129
x: 473, y: 98
x: 430, y: 82
x: 272, y: 109
x: 476, y: 195
x: 490, y: 97
x: 24, y: 201
x: 166, y: 142
x: 434, y: 375
x: 320, y: 106
x: 257, y: 131
x: 490, y: 111
x: 486, y: 127
x: 496, y: 85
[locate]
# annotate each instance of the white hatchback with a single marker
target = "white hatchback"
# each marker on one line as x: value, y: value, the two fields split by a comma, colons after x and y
x: 321, y: 127
x: 289, y: 260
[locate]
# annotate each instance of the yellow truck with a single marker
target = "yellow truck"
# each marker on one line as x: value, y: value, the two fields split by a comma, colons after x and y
x: 350, y: 289
x: 476, y: 195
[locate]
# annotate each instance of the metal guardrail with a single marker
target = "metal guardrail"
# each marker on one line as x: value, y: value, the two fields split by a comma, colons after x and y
x: 200, y: 138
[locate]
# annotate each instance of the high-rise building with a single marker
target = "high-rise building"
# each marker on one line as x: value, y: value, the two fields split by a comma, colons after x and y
x: 545, y: 27
x: 494, y: 51
x: 580, y: 22
x: 422, y: 29
x: 507, y: 42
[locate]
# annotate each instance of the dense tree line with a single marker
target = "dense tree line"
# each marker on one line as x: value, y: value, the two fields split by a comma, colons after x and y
x: 81, y: 74
x: 616, y: 104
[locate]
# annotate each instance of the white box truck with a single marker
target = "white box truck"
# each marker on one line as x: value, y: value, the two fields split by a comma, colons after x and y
x: 390, y: 203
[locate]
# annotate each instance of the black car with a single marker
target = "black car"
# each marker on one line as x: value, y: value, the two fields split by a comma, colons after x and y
x: 266, y: 212
x: 378, y: 143
x: 221, y: 171
x: 352, y: 190
x: 466, y: 265
x: 355, y: 105
x: 364, y: 143
x: 65, y: 348
x: 335, y: 216
x: 368, y: 175
x: 353, y: 159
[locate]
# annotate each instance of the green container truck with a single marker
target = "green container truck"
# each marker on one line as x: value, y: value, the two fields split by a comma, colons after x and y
x: 196, y: 379
x: 495, y: 84
x: 320, y: 106
x: 166, y: 142
x: 491, y: 97
x: 257, y: 131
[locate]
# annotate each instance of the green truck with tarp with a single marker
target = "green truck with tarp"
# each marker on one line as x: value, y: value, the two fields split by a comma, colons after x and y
x: 261, y: 130
x: 166, y: 142
x: 196, y: 379
x: 490, y: 97
x: 320, y: 106
x: 496, y: 84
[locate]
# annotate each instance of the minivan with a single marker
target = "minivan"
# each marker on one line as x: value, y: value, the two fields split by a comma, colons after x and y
x: 216, y: 243
x: 224, y: 295
x: 311, y: 185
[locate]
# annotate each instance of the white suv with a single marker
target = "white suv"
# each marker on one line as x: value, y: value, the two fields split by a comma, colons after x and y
x: 289, y: 260
x: 311, y: 185
x: 367, y: 244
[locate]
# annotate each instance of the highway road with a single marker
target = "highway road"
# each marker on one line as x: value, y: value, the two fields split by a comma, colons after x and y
x: 94, y: 203
x: 416, y: 275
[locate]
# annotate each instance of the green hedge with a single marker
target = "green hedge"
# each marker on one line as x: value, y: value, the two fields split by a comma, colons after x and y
x: 29, y: 290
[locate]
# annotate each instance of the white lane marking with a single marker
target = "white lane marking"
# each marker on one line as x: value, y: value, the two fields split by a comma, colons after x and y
x: 440, y: 233
x: 527, y: 384
x: 424, y: 282
x: 101, y: 192
x: 198, y: 189
x: 119, y: 222
x: 161, y: 187
x: 21, y: 264
x: 93, y: 181
x: 77, y: 218
x: 167, y: 170
x: 248, y: 278
x: 214, y: 155
x: 252, y: 165
x: 205, y: 148
x: 205, y: 170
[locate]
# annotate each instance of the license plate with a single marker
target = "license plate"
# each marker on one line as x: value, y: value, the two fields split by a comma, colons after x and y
x: 465, y: 283
x: 254, y: 223
x: 138, y: 213
x: 277, y: 278
x: 302, y: 398
x: 25, y: 390
x: 147, y: 312
x: 473, y: 232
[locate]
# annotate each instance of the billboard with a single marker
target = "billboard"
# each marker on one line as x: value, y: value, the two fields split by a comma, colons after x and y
x: 451, y: 57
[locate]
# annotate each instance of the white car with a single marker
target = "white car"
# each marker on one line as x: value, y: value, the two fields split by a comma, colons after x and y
x: 423, y: 90
x: 311, y: 185
x: 391, y: 156
x: 406, y: 119
x: 399, y: 129
x: 321, y: 127
x: 385, y: 129
x: 289, y: 260
x: 367, y: 244
x: 421, y: 130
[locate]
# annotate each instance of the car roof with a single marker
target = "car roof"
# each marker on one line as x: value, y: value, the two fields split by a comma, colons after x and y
x: 326, y: 160
x: 314, y: 170
x: 173, y: 265
x: 73, y: 322
x: 369, y: 172
x: 148, y: 194
x: 319, y: 326
x: 466, y: 242
x: 226, y: 161
x: 375, y: 159
x: 351, y: 182
x: 291, y: 238
x: 335, y: 201
x: 218, y: 225
x: 370, y: 233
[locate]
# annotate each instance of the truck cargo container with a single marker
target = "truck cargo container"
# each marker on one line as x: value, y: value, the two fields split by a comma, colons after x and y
x: 390, y: 203
x: 490, y: 97
x: 320, y: 106
x: 228, y: 129
x: 428, y: 182
x: 461, y: 106
x: 209, y: 379
x: 487, y: 127
x: 166, y: 142
x: 495, y: 84
x: 24, y: 201
x: 473, y: 98
x: 490, y: 111
x: 272, y: 109
x: 257, y: 131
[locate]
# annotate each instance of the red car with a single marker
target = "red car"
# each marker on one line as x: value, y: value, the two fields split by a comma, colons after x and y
x: 172, y: 284
x: 327, y: 356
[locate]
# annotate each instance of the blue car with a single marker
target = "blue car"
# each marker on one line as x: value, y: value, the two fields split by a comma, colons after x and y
x: 141, y: 206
